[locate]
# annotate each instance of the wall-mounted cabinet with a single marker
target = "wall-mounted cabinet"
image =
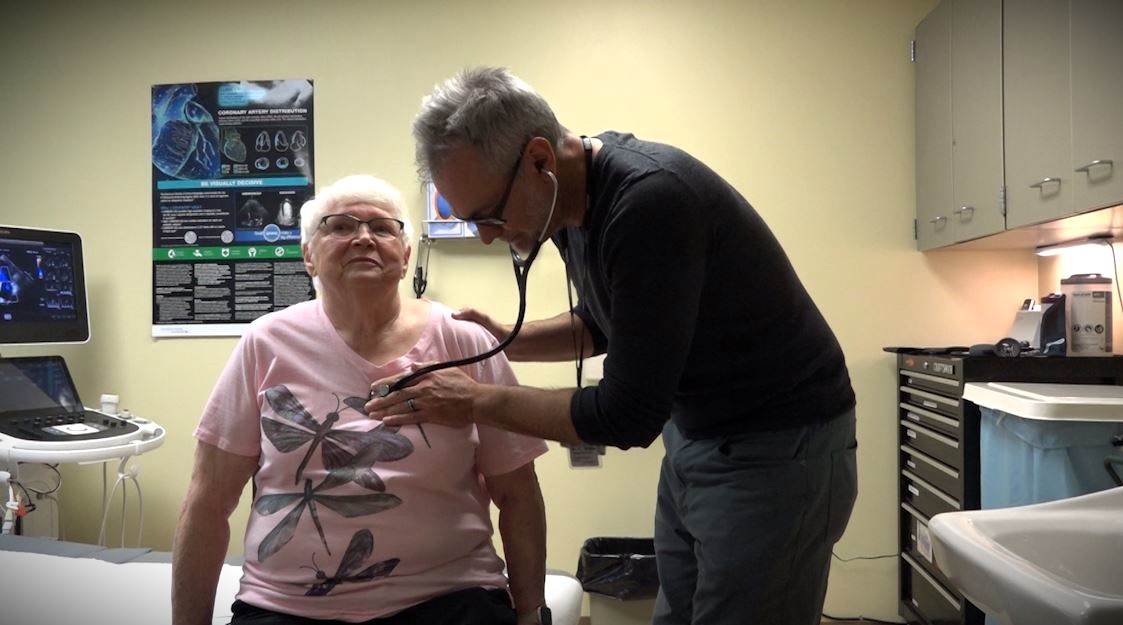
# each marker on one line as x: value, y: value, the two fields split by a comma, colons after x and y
x: 1097, y: 102
x: 1037, y: 81
x: 958, y: 53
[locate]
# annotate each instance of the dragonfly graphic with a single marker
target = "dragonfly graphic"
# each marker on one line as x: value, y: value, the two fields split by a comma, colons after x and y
x: 357, y: 404
x: 302, y: 427
x: 349, y: 506
x: 362, y: 544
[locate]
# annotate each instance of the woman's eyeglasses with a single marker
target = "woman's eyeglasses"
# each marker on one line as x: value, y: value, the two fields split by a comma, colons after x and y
x: 344, y: 226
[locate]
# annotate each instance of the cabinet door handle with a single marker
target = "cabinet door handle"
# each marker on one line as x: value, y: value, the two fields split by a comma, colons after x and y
x: 965, y: 210
x: 936, y: 220
x: 1045, y: 181
x: 1104, y: 161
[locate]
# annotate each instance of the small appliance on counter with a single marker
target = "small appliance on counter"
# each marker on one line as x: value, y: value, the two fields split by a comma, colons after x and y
x: 1088, y: 310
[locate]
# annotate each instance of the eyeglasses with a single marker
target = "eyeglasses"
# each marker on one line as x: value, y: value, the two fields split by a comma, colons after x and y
x: 495, y: 218
x: 344, y: 226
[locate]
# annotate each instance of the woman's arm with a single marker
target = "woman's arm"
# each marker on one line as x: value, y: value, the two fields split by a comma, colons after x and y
x: 203, y: 532
x: 522, y: 527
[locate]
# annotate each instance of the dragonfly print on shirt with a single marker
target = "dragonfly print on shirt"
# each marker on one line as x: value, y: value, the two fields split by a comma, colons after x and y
x: 379, y: 444
x: 362, y: 545
x: 348, y: 506
x: 300, y: 427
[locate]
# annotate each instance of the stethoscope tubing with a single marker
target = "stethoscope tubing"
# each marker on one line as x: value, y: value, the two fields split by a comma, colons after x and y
x: 521, y: 269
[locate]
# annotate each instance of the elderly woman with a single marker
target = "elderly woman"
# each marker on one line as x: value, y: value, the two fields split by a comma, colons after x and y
x: 353, y: 521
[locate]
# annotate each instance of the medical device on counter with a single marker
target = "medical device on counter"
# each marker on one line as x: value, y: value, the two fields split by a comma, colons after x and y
x: 42, y: 418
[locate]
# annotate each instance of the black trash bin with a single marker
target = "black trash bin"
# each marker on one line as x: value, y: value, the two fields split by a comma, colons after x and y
x: 623, y: 568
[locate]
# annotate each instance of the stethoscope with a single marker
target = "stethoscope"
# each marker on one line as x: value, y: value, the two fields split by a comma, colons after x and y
x: 521, y: 268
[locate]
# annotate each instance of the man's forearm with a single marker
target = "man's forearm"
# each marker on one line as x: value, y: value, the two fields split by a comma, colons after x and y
x: 551, y: 340
x: 527, y: 410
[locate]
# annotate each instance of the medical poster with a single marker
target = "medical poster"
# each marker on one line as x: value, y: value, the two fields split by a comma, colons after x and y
x: 231, y: 166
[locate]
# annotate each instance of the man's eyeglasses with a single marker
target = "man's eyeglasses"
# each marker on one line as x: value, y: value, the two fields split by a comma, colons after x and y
x: 495, y: 218
x: 344, y: 226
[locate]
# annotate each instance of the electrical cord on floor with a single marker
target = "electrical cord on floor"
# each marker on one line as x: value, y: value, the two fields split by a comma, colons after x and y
x: 859, y: 619
x: 841, y: 559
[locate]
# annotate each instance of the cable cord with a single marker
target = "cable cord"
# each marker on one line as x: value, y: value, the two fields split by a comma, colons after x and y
x: 881, y: 557
x: 860, y: 619
x: 421, y: 271
x: 58, y: 484
x: 1115, y: 271
x: 123, y: 477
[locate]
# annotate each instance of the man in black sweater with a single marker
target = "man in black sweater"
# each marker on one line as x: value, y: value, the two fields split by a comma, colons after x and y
x: 711, y: 341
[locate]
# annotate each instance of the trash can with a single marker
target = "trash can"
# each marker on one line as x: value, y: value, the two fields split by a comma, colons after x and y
x: 622, y: 568
x: 621, y: 578
x: 1043, y: 442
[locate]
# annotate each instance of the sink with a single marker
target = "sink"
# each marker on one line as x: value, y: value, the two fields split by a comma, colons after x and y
x: 1042, y: 564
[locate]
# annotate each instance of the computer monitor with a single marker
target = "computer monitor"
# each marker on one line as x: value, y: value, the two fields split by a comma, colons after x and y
x: 42, y: 287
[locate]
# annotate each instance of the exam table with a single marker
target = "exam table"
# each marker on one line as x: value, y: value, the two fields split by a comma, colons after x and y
x: 50, y: 582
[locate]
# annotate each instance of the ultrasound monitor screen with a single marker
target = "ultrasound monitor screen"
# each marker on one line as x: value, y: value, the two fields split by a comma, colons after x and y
x: 42, y: 287
x: 36, y: 385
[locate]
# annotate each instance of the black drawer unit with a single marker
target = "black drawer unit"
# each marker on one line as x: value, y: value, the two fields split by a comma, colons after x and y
x: 938, y: 441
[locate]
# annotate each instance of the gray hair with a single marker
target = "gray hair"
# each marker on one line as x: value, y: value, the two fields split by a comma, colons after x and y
x: 488, y: 108
x: 357, y: 189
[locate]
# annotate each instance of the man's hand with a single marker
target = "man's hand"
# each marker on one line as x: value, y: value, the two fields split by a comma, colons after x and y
x: 446, y: 397
x: 498, y: 330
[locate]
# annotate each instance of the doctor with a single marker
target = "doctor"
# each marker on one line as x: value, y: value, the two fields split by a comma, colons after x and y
x: 711, y: 341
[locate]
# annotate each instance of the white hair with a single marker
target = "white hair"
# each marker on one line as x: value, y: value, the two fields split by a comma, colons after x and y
x: 357, y: 189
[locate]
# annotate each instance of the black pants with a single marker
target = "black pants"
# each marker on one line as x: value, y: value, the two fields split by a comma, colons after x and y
x: 472, y: 606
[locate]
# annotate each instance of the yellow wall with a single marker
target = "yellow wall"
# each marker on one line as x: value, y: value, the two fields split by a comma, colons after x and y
x: 806, y: 106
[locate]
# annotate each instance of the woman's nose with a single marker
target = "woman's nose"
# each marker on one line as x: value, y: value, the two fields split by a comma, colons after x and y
x: 363, y: 234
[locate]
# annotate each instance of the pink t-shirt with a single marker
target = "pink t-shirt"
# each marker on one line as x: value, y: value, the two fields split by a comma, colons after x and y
x: 404, y: 521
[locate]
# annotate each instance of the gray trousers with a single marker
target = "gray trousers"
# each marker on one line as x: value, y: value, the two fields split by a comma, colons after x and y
x: 744, y: 524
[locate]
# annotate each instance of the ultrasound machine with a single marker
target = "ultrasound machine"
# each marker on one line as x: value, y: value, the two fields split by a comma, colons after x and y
x: 43, y: 420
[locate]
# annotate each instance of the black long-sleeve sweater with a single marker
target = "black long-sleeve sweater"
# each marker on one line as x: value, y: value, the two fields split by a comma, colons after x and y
x: 699, y: 310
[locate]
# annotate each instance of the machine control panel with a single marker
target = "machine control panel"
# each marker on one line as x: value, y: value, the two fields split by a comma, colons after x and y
x: 74, y: 426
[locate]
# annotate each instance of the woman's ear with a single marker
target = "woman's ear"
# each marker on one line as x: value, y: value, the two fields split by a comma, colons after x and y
x: 309, y: 265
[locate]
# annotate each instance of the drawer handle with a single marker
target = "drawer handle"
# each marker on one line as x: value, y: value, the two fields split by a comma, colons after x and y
x: 1045, y: 181
x: 1090, y: 165
x: 931, y: 580
x: 937, y: 220
x: 962, y: 211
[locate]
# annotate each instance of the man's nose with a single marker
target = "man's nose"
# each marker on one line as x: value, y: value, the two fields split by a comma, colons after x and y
x: 488, y: 233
